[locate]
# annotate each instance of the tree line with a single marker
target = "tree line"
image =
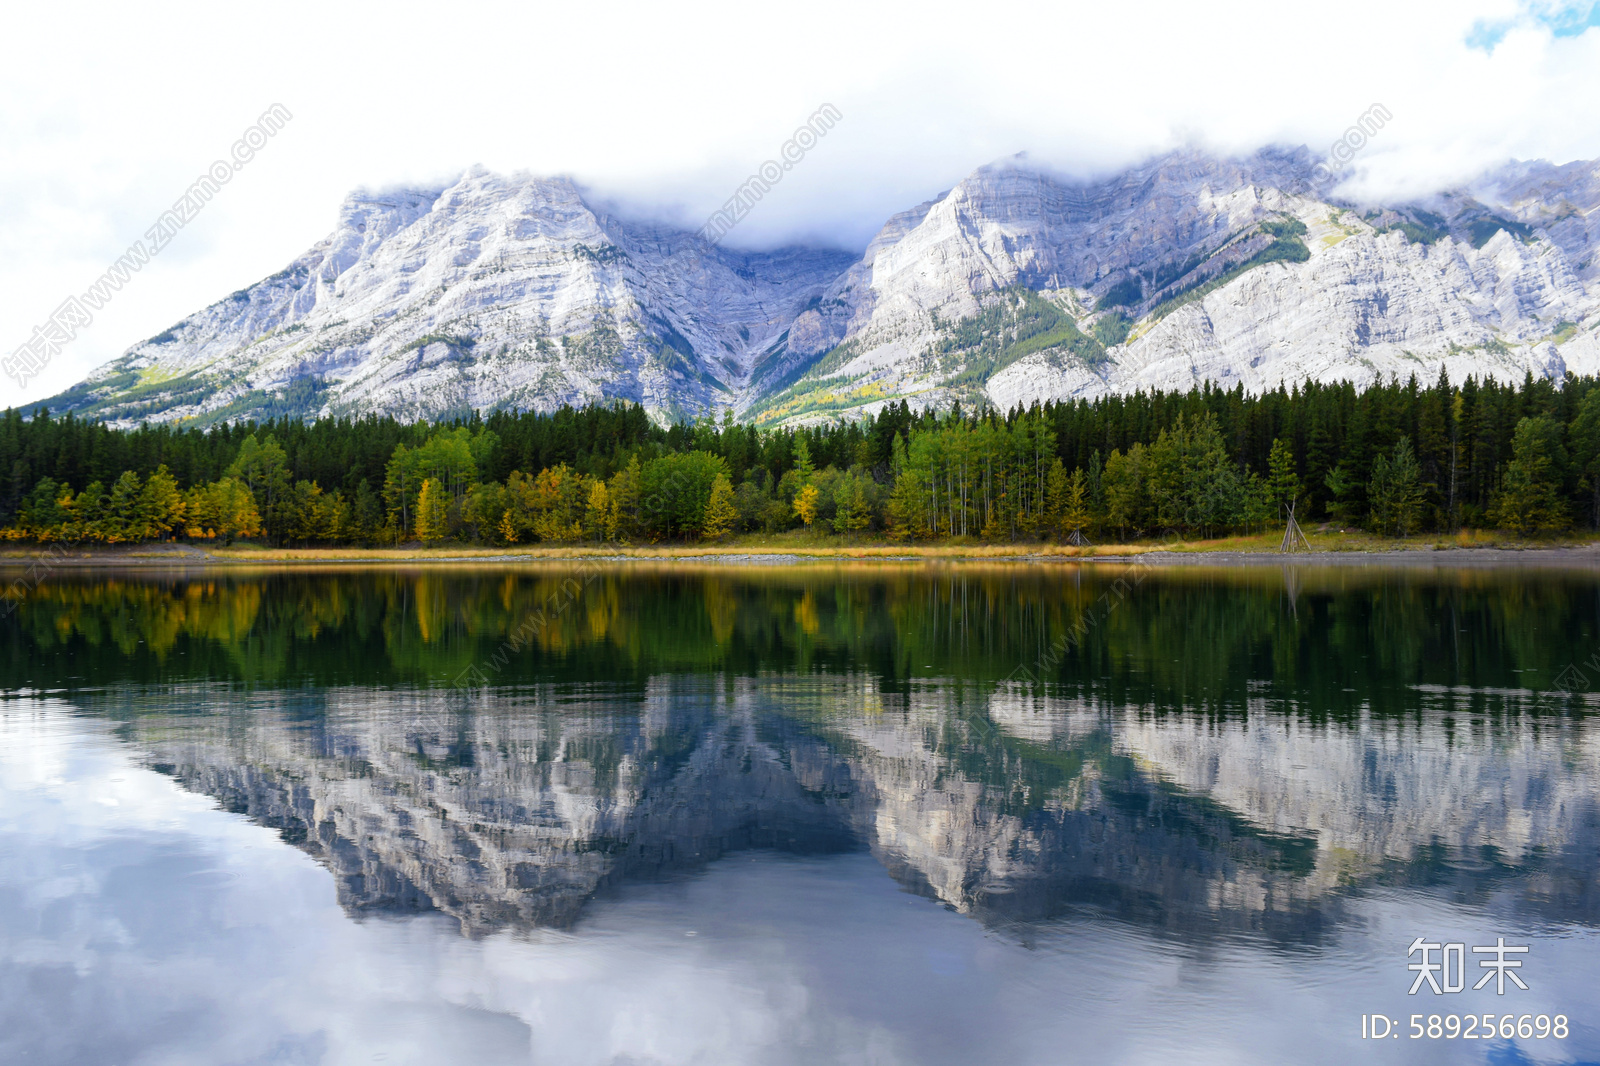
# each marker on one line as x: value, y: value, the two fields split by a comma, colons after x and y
x: 1394, y: 458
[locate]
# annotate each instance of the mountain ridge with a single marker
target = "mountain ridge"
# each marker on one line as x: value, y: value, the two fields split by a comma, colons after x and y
x: 1014, y: 286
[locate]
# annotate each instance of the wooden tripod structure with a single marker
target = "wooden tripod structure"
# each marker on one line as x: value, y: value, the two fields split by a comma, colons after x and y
x: 1291, y: 588
x: 1294, y: 538
x: 1078, y: 540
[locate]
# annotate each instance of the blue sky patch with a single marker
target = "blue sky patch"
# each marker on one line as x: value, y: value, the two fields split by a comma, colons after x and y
x: 1562, y: 20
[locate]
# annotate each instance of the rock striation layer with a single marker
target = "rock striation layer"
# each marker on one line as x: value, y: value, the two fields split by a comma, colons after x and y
x: 1015, y: 286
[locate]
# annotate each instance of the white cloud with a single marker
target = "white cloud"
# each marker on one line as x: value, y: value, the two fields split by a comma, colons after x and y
x: 107, y: 114
x: 161, y: 929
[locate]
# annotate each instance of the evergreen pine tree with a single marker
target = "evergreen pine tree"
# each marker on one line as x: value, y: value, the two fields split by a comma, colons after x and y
x: 122, y: 521
x: 1584, y: 437
x: 802, y: 460
x: 1395, y: 491
x: 1283, y: 486
x: 1529, y: 500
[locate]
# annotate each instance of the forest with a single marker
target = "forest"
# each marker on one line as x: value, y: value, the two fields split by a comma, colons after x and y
x: 1393, y: 459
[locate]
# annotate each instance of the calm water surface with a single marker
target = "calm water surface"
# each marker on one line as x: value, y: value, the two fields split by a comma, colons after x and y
x: 891, y: 814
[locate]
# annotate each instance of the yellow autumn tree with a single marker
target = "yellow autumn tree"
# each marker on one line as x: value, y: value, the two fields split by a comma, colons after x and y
x: 551, y: 504
x: 1075, y: 512
x: 721, y: 513
x: 623, y: 491
x: 160, y: 507
x: 1056, y: 483
x: 200, y: 512
x: 433, y: 504
x: 234, y: 510
x: 223, y: 509
x: 805, y: 504
x: 600, y: 521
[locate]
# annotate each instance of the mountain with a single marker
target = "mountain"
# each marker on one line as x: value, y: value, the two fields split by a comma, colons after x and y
x: 493, y: 293
x: 1016, y: 285
x: 514, y: 813
x: 1022, y: 287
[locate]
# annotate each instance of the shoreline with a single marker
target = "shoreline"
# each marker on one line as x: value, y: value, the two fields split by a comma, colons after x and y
x: 1581, y: 555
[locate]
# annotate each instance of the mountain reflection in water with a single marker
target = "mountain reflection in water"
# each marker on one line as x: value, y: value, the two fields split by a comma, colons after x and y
x: 1206, y: 757
x: 513, y: 810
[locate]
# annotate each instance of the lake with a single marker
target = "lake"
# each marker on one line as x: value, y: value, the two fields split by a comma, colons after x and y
x: 883, y: 813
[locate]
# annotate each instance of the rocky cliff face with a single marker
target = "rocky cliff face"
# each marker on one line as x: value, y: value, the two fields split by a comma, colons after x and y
x: 1014, y: 286
x: 515, y: 811
x: 1017, y: 287
x: 492, y: 293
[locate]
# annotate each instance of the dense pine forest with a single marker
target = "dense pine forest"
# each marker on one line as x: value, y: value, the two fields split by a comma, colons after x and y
x: 1393, y: 459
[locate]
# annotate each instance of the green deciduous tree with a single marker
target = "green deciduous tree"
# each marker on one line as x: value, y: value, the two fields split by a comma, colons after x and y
x: 1127, y: 495
x: 674, y: 491
x: 624, y: 488
x: 263, y: 467
x: 46, y: 511
x: 853, y: 510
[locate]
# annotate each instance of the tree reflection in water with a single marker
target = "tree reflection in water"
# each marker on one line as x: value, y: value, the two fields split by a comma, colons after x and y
x: 1226, y: 752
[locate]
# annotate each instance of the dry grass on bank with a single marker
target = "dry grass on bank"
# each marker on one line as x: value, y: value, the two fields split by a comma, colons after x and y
x: 802, y: 544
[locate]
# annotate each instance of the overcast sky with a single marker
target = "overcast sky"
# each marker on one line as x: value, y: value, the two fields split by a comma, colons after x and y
x: 108, y: 114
